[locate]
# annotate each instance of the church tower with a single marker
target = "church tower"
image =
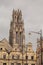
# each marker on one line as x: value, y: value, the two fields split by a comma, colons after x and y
x: 17, y: 33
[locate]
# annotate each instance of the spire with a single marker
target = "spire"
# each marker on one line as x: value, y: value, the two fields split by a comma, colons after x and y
x: 13, y: 14
x: 16, y: 30
x: 19, y: 14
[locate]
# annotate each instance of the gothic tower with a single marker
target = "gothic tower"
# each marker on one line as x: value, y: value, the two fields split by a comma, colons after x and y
x: 17, y: 34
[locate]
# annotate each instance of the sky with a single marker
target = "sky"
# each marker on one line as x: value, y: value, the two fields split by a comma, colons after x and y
x: 32, y: 11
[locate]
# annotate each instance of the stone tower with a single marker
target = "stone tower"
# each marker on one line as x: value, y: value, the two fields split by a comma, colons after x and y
x: 17, y: 34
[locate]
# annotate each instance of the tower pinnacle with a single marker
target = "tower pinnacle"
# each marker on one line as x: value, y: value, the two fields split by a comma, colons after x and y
x: 17, y: 35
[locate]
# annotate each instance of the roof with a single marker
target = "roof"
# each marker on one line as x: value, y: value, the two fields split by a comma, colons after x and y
x: 5, y: 44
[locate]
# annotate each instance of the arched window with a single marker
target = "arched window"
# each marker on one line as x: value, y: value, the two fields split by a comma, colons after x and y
x: 4, y: 56
x: 4, y: 64
x: 18, y: 63
x: 12, y: 56
x: 32, y: 57
x: 18, y: 56
x: 20, y: 37
x: 16, y: 37
x: 12, y: 63
x: 26, y: 57
x: 26, y: 64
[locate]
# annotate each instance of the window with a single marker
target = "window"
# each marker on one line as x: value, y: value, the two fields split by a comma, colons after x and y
x: 20, y: 37
x: 12, y: 56
x: 12, y: 63
x: 26, y: 57
x: 26, y: 64
x: 29, y: 49
x: 16, y: 37
x: 4, y: 56
x: 4, y: 64
x: 0, y: 48
x: 18, y: 63
x: 18, y: 56
x: 32, y: 57
x: 32, y: 64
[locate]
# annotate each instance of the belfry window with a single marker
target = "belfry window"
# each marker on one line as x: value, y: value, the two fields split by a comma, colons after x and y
x: 16, y: 37
x: 20, y: 37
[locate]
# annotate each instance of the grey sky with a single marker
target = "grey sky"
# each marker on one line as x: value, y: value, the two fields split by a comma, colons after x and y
x: 32, y: 11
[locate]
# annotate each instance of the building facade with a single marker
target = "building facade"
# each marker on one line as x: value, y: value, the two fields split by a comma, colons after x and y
x: 16, y: 52
x: 39, y: 52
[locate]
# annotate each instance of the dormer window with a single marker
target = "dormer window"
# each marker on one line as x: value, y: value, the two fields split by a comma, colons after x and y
x: 32, y: 57
x: 4, y: 56
x: 12, y: 56
x: 0, y: 48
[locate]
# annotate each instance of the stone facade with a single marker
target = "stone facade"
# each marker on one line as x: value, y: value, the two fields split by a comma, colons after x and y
x: 16, y: 52
x: 39, y: 52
